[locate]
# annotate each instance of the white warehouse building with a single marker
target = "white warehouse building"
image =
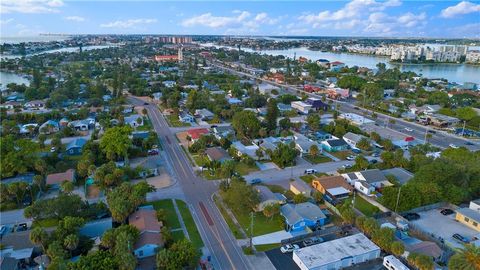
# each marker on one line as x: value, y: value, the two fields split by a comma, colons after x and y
x: 337, y: 254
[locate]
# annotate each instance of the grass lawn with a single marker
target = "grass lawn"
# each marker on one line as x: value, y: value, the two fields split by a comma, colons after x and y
x: 175, y: 122
x: 171, y: 216
x: 316, y: 159
x: 200, y: 160
x: 365, y: 207
x: 229, y: 221
x: 342, y: 154
x: 308, y: 178
x: 147, y: 125
x: 177, y: 235
x: 244, y: 169
x: 190, y: 224
x: 45, y: 223
x: 262, y: 224
x: 267, y: 247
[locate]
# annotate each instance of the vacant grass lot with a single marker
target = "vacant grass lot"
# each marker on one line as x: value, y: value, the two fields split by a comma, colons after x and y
x: 175, y: 122
x: 171, y: 219
x: 316, y: 159
x: 342, y: 154
x: 190, y: 224
x: 229, y: 221
x: 365, y: 207
x: 267, y: 247
x: 262, y: 224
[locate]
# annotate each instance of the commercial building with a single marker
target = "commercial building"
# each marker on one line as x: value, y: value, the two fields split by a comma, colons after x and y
x: 337, y: 254
x: 469, y: 217
x: 301, y: 106
x: 392, y: 263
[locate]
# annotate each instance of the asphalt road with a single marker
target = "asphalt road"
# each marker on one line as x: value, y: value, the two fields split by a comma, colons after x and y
x: 440, y: 139
x: 224, y: 249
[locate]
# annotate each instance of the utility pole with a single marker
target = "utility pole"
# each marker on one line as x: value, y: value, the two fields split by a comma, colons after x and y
x: 251, y: 229
x: 463, y: 129
x: 398, y: 198
x: 425, y: 139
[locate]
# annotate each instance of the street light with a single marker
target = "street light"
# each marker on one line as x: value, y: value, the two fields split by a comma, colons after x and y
x: 398, y: 198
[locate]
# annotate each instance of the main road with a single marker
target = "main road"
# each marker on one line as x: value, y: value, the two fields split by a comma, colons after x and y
x: 438, y: 138
x: 223, y: 247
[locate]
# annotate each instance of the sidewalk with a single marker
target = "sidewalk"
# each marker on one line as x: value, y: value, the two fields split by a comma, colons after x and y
x: 180, y: 218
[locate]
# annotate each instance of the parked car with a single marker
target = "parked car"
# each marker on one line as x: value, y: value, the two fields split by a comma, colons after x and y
x: 347, y: 166
x: 408, y: 129
x: 453, y: 146
x: 469, y: 143
x: 289, y: 248
x: 154, y: 146
x: 53, y: 149
x: 3, y: 229
x: 411, y: 216
x: 312, y: 241
x: 22, y: 227
x: 372, y: 161
x: 350, y: 157
x: 356, y: 108
x: 376, y: 154
x: 255, y: 181
x: 310, y: 171
x: 146, y: 103
x: 213, y: 126
x: 432, y: 131
x: 152, y: 152
x: 460, y: 238
x: 356, y: 151
x: 447, y: 211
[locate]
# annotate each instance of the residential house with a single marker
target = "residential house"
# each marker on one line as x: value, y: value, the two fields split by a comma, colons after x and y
x: 96, y: 228
x: 49, y: 127
x: 157, y: 96
x: 474, y: 205
x: 82, y: 125
x: 204, y: 114
x: 217, y: 154
x: 169, y: 84
x: 9, y: 263
x: 334, y: 187
x: 266, y: 88
x: 442, y: 121
x: 367, y: 181
x: 303, y: 144
x: 284, y: 107
x: 402, y: 175
x: 322, y: 136
x: 10, y: 105
x: 63, y: 122
x: 54, y: 180
x: 196, y: 133
x: 317, y: 104
x: 150, y: 239
x: 249, y: 150
x: 134, y: 120
x: 300, y: 187
x: 323, y: 63
x: 301, y: 107
x: 74, y: 148
x: 352, y: 139
x: 34, y: 105
x: 223, y: 132
x: 336, y: 66
x: 267, y: 197
x: 128, y: 109
x: 334, y: 145
x: 149, y: 166
x: 302, y: 216
x: 468, y: 217
x: 17, y: 245
x: 234, y: 101
x: 186, y: 117
x: 27, y: 128
x: 271, y: 143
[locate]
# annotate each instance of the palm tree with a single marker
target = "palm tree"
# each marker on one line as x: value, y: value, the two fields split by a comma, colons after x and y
x: 467, y: 258
x: 71, y: 242
x: 39, y: 236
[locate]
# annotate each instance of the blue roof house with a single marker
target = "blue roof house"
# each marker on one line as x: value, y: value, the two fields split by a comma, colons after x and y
x: 302, y: 216
x: 74, y: 148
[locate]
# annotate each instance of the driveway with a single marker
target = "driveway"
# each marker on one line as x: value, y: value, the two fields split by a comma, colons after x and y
x: 13, y: 217
x: 271, y: 238
x: 273, y: 175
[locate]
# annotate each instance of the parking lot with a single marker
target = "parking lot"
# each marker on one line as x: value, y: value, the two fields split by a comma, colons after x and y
x: 443, y: 227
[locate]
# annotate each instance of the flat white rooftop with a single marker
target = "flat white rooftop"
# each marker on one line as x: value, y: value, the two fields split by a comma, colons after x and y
x: 335, y: 250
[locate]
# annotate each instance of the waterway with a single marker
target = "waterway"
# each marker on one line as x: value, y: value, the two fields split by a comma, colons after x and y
x: 68, y: 49
x: 459, y: 73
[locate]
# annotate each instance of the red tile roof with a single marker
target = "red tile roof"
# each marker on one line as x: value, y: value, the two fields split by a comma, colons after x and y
x: 197, y: 133
x: 58, y: 178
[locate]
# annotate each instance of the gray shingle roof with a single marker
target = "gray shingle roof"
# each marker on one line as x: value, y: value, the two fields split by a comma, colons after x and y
x: 294, y: 213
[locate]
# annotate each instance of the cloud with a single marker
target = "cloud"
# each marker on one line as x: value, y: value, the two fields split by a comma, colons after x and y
x: 461, y: 8
x: 131, y: 23
x: 380, y: 23
x: 241, y: 21
x: 351, y: 10
x: 30, y: 6
x: 75, y: 18
x: 467, y: 30
x: 209, y: 20
x: 5, y: 22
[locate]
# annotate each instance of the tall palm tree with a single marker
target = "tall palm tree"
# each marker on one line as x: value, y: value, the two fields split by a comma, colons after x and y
x: 39, y: 236
x: 467, y: 258
x: 71, y: 242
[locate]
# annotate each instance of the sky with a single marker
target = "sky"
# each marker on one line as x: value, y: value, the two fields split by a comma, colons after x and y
x: 366, y: 18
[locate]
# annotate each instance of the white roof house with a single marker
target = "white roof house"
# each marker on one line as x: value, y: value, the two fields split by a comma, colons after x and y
x: 337, y: 254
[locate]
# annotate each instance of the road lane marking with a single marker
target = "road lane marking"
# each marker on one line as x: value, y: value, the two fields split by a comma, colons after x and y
x: 205, y: 213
